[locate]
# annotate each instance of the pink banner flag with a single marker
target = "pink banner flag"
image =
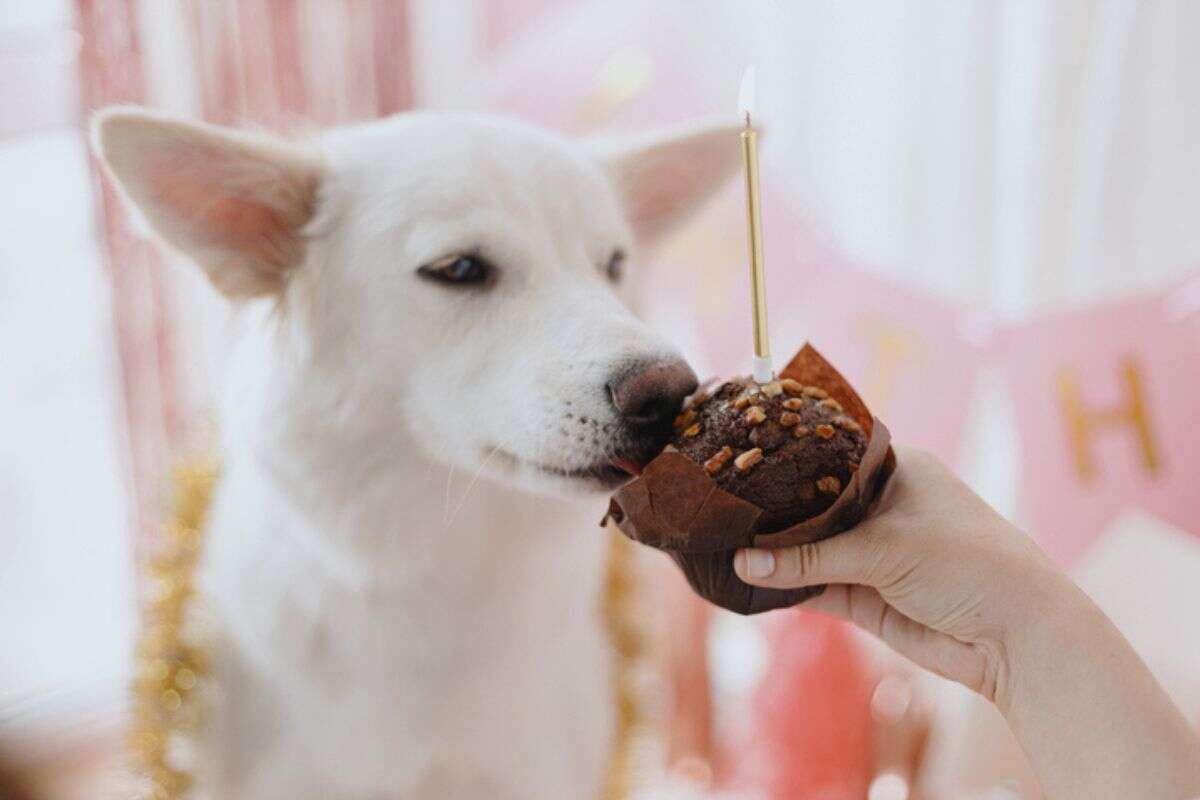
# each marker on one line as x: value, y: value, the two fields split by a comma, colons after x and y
x: 913, y: 358
x: 1105, y: 405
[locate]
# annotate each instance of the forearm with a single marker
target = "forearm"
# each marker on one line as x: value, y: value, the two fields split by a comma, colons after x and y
x: 1092, y: 719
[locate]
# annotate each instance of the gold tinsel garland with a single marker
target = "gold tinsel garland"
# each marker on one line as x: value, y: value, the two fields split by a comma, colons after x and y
x: 618, y: 607
x: 171, y: 665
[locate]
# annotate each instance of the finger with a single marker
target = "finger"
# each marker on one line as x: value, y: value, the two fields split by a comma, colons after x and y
x: 934, y: 651
x: 852, y: 557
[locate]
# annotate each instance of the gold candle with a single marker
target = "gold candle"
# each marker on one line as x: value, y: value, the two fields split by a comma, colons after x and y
x: 763, y: 370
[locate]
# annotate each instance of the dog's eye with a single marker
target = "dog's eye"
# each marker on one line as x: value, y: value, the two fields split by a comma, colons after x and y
x: 615, y: 266
x: 457, y: 269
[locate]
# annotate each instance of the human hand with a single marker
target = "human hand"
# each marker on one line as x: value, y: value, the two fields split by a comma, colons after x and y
x: 934, y: 572
x: 946, y: 581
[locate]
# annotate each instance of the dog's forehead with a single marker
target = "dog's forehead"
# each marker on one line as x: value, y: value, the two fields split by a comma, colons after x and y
x: 447, y: 159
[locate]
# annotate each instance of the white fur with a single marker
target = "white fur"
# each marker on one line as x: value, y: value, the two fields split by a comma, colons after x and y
x: 381, y: 631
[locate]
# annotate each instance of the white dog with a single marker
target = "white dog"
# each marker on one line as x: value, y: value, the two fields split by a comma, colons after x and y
x: 430, y: 293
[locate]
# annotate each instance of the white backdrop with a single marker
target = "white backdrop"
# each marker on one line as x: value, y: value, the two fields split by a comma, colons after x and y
x: 1021, y: 154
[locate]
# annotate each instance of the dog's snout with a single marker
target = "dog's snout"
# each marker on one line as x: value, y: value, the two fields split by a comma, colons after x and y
x: 652, y: 392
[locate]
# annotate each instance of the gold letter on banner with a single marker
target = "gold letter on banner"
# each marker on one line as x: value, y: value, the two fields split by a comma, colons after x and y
x: 890, y: 346
x: 1082, y: 422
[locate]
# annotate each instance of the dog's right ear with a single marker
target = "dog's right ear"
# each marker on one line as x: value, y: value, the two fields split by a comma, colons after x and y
x: 235, y: 204
x: 662, y: 178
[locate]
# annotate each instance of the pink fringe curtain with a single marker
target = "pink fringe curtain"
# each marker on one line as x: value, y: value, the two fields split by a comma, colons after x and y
x: 111, y: 71
x: 279, y: 64
x: 283, y: 63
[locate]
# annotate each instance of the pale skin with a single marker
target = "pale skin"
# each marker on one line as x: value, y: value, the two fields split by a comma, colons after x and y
x: 947, y: 582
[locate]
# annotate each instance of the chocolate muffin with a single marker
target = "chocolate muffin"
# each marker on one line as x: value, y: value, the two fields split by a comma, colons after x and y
x: 785, y: 447
x: 793, y: 461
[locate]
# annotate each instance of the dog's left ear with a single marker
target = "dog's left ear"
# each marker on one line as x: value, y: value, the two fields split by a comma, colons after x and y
x: 664, y: 177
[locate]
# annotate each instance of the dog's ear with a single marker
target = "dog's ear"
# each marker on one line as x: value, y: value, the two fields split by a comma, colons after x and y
x: 234, y: 203
x: 664, y: 177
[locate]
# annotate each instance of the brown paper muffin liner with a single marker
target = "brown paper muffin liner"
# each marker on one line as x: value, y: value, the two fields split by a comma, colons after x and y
x: 676, y: 507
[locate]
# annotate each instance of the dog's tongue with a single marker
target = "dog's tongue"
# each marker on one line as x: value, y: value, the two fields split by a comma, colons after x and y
x: 634, y: 468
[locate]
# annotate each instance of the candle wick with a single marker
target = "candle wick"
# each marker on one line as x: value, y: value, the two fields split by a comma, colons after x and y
x: 746, y: 118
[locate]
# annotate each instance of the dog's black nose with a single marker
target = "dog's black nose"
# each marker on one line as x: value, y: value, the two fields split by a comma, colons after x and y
x: 651, y: 392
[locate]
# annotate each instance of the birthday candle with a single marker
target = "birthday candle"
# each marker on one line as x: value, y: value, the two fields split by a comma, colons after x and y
x: 762, y: 368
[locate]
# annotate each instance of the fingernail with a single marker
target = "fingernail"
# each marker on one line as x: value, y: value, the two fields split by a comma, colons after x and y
x: 759, y: 563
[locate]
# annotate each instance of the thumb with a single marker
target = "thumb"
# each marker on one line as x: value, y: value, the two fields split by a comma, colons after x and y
x: 849, y: 557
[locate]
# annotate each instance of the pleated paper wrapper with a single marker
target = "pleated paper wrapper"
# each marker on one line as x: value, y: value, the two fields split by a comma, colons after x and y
x: 676, y: 507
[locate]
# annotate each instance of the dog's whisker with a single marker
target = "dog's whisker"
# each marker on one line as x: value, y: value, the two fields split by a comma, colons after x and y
x: 474, y: 479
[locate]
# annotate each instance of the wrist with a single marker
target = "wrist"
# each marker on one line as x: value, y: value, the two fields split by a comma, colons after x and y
x: 1086, y: 710
x: 1054, y: 621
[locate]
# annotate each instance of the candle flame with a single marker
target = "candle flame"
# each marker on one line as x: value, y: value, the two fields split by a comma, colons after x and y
x: 746, y: 94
